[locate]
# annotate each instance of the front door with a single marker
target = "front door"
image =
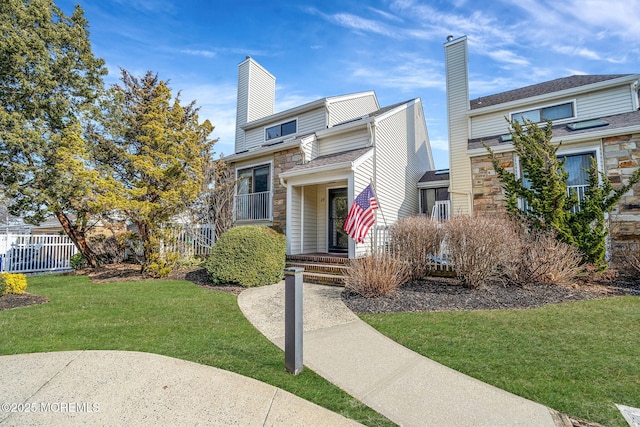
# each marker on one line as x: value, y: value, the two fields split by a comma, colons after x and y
x: 338, y: 208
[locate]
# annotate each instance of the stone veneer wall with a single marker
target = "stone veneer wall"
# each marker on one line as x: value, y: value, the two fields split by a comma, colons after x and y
x: 283, y: 161
x: 621, y: 157
x: 488, y: 196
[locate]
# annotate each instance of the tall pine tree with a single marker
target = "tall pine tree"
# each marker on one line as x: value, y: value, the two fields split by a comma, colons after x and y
x: 49, y: 78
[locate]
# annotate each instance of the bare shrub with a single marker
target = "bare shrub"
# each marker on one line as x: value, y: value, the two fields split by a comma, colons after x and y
x: 477, y: 247
x: 539, y: 257
x: 412, y: 239
x: 627, y: 257
x: 376, y: 275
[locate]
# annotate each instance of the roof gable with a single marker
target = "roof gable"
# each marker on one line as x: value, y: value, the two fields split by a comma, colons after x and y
x: 542, y: 89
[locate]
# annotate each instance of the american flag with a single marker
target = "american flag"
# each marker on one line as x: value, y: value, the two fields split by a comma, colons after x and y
x: 361, y: 217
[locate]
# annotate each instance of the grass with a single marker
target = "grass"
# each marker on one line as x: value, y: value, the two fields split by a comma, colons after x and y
x: 172, y: 318
x: 579, y: 358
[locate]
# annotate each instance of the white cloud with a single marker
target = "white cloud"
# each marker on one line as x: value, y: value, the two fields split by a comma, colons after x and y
x: 439, y: 144
x: 503, y: 55
x: 358, y: 23
x: 200, y: 52
x: 218, y: 104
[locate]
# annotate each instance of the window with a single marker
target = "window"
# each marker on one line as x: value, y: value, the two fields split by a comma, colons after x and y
x: 253, y: 180
x: 253, y: 198
x: 577, y: 167
x: 282, y: 129
x: 435, y: 202
x: 555, y: 112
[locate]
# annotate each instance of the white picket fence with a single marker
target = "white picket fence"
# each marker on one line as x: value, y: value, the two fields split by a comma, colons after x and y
x: 32, y: 253
x: 191, y: 240
x: 438, y: 262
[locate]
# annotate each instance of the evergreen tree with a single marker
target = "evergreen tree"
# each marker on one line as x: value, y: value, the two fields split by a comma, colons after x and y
x: 48, y: 79
x: 542, y: 197
x: 156, y: 153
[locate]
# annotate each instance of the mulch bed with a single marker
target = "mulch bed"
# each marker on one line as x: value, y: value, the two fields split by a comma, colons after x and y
x: 434, y: 294
x: 448, y: 294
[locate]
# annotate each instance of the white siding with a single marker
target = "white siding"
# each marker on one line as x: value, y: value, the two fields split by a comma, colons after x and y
x: 322, y: 217
x: 295, y: 217
x: 591, y: 105
x: 350, y: 108
x: 312, y: 121
x: 310, y: 218
x: 361, y: 178
x: 343, y: 142
x: 308, y: 122
x: 256, y: 97
x: 489, y: 124
x: 605, y: 103
x: 457, y: 107
x: 401, y: 158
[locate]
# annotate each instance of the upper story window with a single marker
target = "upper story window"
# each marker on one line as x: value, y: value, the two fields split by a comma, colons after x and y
x: 281, y: 129
x: 553, y: 112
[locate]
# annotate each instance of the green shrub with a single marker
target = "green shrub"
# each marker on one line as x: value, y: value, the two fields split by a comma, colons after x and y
x: 78, y: 261
x: 376, y: 275
x: 160, y: 265
x: 248, y: 256
x: 12, y: 283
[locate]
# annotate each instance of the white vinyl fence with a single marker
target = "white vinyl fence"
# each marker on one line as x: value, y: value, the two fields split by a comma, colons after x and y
x: 438, y: 262
x: 31, y: 253
x: 191, y: 240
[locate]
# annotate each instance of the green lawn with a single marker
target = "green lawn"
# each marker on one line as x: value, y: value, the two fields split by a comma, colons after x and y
x: 579, y: 358
x: 173, y: 318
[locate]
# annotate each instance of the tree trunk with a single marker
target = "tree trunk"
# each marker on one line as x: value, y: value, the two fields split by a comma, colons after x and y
x: 78, y: 238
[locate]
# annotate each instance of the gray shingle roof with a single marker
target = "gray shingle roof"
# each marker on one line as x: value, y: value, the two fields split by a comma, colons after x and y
x: 329, y: 159
x: 541, y: 89
x: 437, y: 175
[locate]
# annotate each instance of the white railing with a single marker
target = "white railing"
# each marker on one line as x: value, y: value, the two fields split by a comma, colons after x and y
x: 438, y: 262
x: 580, y: 190
x: 190, y: 240
x: 30, y: 253
x: 441, y: 210
x: 252, y: 207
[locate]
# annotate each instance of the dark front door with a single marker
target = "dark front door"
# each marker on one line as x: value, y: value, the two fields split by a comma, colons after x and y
x: 338, y: 208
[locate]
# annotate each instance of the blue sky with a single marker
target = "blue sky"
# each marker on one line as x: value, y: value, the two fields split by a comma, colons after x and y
x: 319, y: 48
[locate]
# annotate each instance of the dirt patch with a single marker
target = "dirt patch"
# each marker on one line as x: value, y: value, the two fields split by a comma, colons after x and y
x: 447, y: 294
x: 10, y: 301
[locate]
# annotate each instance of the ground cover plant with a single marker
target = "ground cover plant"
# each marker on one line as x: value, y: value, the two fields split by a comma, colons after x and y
x: 169, y: 317
x: 579, y: 358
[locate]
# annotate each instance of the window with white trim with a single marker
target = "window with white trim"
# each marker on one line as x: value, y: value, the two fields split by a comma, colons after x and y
x: 282, y: 129
x: 538, y: 115
x: 577, y: 167
x: 253, y: 196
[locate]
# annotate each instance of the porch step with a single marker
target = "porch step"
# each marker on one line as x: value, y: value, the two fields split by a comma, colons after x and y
x: 321, y: 269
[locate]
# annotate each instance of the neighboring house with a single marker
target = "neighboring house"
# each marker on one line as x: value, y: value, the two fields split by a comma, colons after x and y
x: 594, y: 116
x: 300, y: 169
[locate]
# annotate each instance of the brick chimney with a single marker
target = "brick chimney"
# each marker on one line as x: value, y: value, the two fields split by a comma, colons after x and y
x: 256, y: 97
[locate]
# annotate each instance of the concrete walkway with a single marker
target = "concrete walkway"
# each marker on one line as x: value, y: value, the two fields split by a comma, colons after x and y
x: 406, y: 387
x: 105, y: 388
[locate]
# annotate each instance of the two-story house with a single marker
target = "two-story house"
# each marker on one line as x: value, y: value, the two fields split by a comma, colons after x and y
x: 594, y: 116
x: 300, y: 169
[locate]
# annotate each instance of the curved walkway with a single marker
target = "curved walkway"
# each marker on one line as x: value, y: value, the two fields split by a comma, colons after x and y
x: 142, y: 389
x: 406, y: 387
